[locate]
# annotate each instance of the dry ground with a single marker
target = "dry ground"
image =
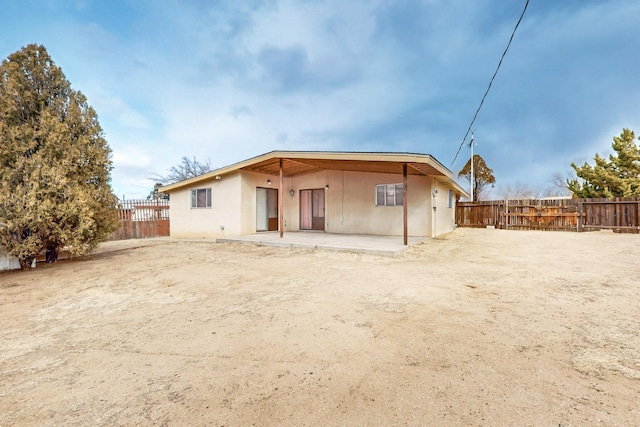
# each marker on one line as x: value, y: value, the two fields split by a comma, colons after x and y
x: 480, y: 327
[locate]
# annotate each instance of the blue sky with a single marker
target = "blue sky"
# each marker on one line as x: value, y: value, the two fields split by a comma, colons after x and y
x: 228, y: 80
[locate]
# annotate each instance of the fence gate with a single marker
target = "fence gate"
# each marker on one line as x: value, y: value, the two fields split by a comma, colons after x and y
x: 541, y: 214
x: 140, y: 219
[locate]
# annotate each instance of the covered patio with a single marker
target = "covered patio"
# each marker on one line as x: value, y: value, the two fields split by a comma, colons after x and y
x: 290, y: 164
x: 358, y: 243
x: 403, y: 195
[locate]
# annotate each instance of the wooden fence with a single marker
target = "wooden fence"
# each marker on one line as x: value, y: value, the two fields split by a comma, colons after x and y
x: 140, y: 219
x: 619, y: 214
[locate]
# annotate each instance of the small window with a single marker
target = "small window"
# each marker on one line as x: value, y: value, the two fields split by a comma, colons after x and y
x: 201, y: 198
x: 451, y: 198
x: 389, y: 195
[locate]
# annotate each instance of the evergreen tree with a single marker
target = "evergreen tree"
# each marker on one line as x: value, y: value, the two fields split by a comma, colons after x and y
x: 482, y: 175
x: 55, y: 163
x: 617, y: 177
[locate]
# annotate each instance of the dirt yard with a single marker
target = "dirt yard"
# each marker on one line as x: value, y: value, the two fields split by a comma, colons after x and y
x: 480, y: 327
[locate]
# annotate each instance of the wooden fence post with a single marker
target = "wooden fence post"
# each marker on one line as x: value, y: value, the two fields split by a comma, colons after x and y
x: 579, y: 216
x: 506, y: 214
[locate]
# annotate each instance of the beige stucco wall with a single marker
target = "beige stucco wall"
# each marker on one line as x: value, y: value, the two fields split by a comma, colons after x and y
x: 233, y: 207
x: 444, y: 218
x: 349, y: 205
x: 222, y: 219
x: 250, y: 182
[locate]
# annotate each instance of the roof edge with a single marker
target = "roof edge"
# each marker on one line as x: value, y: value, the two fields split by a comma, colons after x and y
x: 321, y: 155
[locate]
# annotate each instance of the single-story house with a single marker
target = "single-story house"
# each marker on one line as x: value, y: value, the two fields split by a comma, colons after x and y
x: 393, y: 194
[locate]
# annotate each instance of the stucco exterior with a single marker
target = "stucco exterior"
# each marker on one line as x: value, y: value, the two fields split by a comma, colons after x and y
x: 222, y: 218
x: 349, y: 203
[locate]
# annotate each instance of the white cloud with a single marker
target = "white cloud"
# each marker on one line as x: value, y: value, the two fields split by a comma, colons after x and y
x: 220, y: 81
x: 131, y: 157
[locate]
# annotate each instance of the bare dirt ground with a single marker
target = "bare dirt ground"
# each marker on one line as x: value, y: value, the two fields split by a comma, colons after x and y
x: 480, y: 327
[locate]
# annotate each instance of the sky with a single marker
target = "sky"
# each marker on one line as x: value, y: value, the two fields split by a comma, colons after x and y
x: 228, y: 80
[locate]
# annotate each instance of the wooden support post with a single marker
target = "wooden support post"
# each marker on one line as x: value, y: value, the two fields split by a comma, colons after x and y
x: 404, y: 204
x: 281, y: 202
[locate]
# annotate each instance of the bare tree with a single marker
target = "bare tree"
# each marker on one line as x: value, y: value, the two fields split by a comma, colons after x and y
x: 559, y: 184
x: 519, y: 190
x: 188, y: 168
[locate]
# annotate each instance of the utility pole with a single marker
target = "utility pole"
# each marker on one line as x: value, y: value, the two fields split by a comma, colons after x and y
x: 472, y: 183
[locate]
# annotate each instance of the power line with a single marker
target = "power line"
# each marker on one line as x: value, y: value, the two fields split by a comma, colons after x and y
x: 490, y: 83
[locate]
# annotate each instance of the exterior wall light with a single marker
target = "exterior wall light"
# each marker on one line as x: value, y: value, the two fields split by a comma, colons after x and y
x: 268, y: 182
x: 292, y: 192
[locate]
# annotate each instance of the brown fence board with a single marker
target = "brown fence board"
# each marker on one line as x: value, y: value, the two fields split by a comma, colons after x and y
x: 541, y: 214
x: 620, y: 214
x: 479, y: 214
x: 141, y: 219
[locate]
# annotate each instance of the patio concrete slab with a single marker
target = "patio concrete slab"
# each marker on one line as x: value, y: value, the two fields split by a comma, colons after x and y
x: 359, y: 243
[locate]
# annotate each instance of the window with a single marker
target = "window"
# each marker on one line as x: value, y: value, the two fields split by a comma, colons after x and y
x: 201, y: 198
x: 389, y: 195
x: 451, y: 198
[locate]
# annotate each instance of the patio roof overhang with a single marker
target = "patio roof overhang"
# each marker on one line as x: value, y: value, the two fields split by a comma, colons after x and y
x: 293, y: 166
x: 295, y: 163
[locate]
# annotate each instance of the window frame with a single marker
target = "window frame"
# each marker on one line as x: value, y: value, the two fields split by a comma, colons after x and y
x: 451, y: 199
x: 388, y: 194
x: 195, y: 199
